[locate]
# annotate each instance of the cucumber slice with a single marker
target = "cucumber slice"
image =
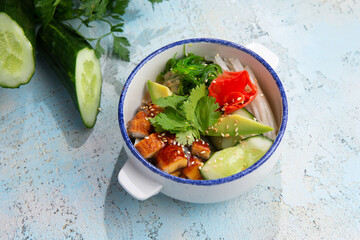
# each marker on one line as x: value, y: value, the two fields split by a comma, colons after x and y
x: 88, y: 85
x: 17, y: 54
x: 74, y: 61
x: 244, y: 113
x: 230, y: 161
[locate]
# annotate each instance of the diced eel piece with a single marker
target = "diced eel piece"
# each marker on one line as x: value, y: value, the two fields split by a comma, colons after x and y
x: 177, y: 173
x: 150, y: 145
x: 152, y: 109
x: 192, y: 171
x: 139, y: 126
x: 171, y: 158
x: 201, y: 149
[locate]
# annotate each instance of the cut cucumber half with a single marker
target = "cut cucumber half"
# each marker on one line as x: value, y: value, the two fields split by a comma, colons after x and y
x: 74, y: 61
x: 244, y: 113
x: 17, y: 55
x: 230, y: 161
x: 88, y: 85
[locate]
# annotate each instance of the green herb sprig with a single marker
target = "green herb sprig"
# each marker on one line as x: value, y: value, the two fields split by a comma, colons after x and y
x: 187, y: 117
x: 87, y: 11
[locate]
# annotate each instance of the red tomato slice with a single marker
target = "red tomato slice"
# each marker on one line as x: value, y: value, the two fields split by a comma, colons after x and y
x: 233, y: 90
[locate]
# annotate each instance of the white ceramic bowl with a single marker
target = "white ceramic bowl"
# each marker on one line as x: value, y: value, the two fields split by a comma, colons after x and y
x: 142, y: 179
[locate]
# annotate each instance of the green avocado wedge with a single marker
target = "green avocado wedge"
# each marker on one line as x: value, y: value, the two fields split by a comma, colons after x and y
x: 235, y: 125
x: 157, y: 90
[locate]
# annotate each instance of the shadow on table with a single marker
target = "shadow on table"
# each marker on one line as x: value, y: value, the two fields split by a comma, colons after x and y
x: 254, y: 215
x: 58, y: 101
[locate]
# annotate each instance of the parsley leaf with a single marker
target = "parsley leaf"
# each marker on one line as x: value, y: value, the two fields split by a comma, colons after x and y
x: 87, y: 11
x: 190, y: 104
x: 186, y: 116
x: 170, y: 101
x: 45, y: 9
x: 120, y: 48
x: 172, y: 121
x: 205, y: 113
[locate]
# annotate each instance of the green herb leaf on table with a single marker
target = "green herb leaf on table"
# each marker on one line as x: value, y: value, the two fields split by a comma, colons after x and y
x: 87, y: 11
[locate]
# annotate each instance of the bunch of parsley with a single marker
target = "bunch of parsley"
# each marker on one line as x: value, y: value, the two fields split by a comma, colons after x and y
x: 187, y: 116
x: 88, y: 11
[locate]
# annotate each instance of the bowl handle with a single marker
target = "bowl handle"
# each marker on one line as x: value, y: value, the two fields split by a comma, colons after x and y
x: 271, y: 58
x: 136, y: 183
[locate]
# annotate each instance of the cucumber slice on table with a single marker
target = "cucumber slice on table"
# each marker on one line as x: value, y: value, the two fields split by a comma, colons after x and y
x: 235, y: 159
x: 17, y: 42
x: 74, y: 61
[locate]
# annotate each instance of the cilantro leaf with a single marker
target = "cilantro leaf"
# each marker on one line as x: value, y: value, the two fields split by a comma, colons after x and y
x: 205, y: 113
x: 45, y: 10
x: 190, y: 104
x: 170, y: 101
x: 120, y: 48
x: 187, y: 137
x: 172, y: 121
x: 99, y: 50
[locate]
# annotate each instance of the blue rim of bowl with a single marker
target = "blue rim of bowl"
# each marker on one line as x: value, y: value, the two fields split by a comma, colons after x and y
x: 215, y: 181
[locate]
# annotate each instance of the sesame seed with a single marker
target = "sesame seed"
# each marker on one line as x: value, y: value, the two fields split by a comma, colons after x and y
x: 214, y: 81
x: 178, y: 152
x: 163, y: 134
x: 215, y: 166
x: 215, y: 129
x: 222, y: 135
x: 178, y: 144
x: 207, y: 132
x: 236, y: 129
x: 165, y: 140
x: 239, y: 98
x: 151, y: 114
x: 203, y: 142
x: 236, y: 134
x: 188, y: 136
x: 227, y: 126
x: 147, y: 137
x: 100, y: 109
x: 202, y: 152
x: 146, y: 118
x: 227, y: 135
x: 221, y: 158
x: 261, y: 94
x: 206, y: 170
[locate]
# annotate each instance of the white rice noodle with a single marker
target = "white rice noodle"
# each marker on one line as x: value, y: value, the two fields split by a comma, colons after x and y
x: 236, y: 64
x: 261, y: 108
x: 219, y: 61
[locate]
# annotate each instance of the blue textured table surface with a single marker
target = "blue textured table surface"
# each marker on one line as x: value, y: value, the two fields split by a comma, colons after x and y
x: 58, y: 179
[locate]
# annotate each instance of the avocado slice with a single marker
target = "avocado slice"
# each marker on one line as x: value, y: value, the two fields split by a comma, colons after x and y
x: 157, y: 90
x: 235, y: 125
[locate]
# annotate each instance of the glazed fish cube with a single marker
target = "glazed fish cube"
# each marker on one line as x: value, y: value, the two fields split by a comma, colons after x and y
x: 139, y: 126
x: 150, y: 145
x: 171, y: 158
x: 201, y: 149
